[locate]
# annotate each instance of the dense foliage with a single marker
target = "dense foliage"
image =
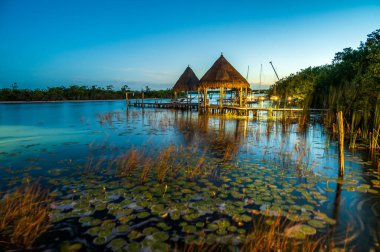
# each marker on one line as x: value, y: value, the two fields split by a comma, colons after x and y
x: 76, y: 92
x: 351, y: 83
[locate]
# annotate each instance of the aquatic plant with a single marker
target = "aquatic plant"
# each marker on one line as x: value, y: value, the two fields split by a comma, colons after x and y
x: 164, y: 163
x: 24, y: 215
x: 128, y: 162
x: 276, y: 234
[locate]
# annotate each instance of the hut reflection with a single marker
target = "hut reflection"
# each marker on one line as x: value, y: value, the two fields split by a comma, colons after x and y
x: 220, y: 136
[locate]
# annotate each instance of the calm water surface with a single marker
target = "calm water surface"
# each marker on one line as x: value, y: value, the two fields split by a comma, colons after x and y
x: 76, y: 149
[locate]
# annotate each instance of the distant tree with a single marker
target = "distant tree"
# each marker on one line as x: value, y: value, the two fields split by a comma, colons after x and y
x: 109, y: 87
x: 125, y: 88
x: 14, y: 86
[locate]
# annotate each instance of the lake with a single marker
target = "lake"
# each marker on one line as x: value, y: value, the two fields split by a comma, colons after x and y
x: 135, y: 179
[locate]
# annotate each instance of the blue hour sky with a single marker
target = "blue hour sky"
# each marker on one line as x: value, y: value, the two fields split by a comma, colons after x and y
x: 148, y: 42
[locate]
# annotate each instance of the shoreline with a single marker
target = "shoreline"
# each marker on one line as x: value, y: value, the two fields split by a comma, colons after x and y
x: 62, y: 101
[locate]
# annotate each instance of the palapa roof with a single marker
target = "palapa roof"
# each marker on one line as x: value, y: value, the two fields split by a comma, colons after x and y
x: 223, y: 74
x: 187, y: 82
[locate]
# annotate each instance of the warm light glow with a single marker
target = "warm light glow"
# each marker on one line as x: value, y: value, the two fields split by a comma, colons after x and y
x: 250, y: 98
x: 274, y: 98
x: 262, y: 98
x: 289, y: 98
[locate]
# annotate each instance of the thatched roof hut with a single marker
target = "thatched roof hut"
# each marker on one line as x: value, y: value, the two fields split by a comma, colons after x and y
x: 223, y: 75
x: 187, y: 82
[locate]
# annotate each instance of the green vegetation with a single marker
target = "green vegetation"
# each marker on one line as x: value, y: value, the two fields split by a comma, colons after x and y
x: 350, y: 84
x: 76, y: 92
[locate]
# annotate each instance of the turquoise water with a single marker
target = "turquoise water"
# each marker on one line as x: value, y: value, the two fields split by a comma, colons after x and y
x: 249, y: 165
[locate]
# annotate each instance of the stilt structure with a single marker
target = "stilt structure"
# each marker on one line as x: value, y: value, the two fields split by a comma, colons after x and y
x: 222, y: 75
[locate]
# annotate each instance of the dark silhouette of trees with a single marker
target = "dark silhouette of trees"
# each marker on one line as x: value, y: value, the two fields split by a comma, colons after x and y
x: 77, y: 92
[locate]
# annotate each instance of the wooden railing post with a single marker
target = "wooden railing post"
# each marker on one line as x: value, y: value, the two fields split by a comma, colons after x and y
x: 341, y: 143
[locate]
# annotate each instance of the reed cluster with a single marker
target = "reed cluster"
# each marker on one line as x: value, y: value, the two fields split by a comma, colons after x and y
x: 24, y: 216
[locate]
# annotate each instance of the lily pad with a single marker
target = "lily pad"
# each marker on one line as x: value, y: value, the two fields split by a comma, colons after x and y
x: 100, y: 240
x: 122, y: 228
x: 160, y: 236
x: 308, y: 230
x: 117, y: 244
x: 134, y: 235
x: 316, y: 223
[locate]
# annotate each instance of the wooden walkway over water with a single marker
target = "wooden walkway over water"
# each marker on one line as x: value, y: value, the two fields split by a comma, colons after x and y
x: 225, y: 109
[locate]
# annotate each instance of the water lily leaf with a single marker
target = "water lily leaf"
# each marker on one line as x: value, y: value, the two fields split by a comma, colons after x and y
x: 70, y: 247
x: 150, y: 230
x: 93, y: 231
x: 117, y: 244
x: 143, y: 215
x: 160, y: 236
x: 133, y: 247
x: 189, y: 229
x: 307, y: 230
x: 122, y: 228
x: 100, y: 240
x: 134, y: 235
x: 175, y: 215
x: 125, y: 219
x: 186, y: 191
x: 212, y: 227
x: 316, y: 223
x: 200, y: 224
x: 163, y: 226
x: 105, y: 232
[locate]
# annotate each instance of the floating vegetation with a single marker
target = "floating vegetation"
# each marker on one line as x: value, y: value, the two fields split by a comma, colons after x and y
x: 216, y: 192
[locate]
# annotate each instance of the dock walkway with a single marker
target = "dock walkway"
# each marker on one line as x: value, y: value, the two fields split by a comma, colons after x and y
x: 216, y: 109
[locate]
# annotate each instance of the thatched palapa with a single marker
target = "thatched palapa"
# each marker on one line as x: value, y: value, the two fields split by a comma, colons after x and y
x: 223, y: 75
x: 187, y: 82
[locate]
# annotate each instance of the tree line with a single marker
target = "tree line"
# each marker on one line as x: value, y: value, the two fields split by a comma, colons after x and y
x: 351, y: 83
x: 77, y: 92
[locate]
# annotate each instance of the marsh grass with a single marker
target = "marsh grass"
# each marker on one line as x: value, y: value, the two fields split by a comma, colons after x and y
x: 164, y: 163
x: 275, y: 234
x: 24, y: 216
x: 268, y: 233
x: 108, y: 118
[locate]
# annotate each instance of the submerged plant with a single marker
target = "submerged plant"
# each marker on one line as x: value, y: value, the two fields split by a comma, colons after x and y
x: 24, y: 216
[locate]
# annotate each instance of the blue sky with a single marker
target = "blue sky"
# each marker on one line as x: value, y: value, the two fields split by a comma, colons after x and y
x: 136, y: 42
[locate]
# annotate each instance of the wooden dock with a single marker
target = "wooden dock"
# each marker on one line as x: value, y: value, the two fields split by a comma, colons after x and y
x: 225, y: 109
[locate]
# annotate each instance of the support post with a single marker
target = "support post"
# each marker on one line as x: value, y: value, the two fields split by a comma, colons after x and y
x: 241, y: 97
x: 221, y: 97
x: 341, y: 143
x: 246, y: 96
x: 205, y: 99
x: 126, y: 98
x: 199, y: 101
x: 142, y: 99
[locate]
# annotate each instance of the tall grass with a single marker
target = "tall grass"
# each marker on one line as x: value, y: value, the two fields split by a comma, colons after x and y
x: 24, y: 216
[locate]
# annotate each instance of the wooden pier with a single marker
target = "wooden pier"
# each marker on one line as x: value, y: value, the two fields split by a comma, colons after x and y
x: 225, y: 109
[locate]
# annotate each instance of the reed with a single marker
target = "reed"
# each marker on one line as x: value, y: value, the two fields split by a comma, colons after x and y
x: 145, y: 170
x: 127, y: 163
x: 275, y: 234
x: 25, y: 216
x: 164, y: 163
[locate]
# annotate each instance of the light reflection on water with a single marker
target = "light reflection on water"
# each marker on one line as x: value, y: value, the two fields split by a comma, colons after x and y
x: 42, y: 137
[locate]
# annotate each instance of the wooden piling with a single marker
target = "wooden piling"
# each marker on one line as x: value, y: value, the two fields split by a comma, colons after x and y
x: 142, y: 99
x: 341, y: 142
